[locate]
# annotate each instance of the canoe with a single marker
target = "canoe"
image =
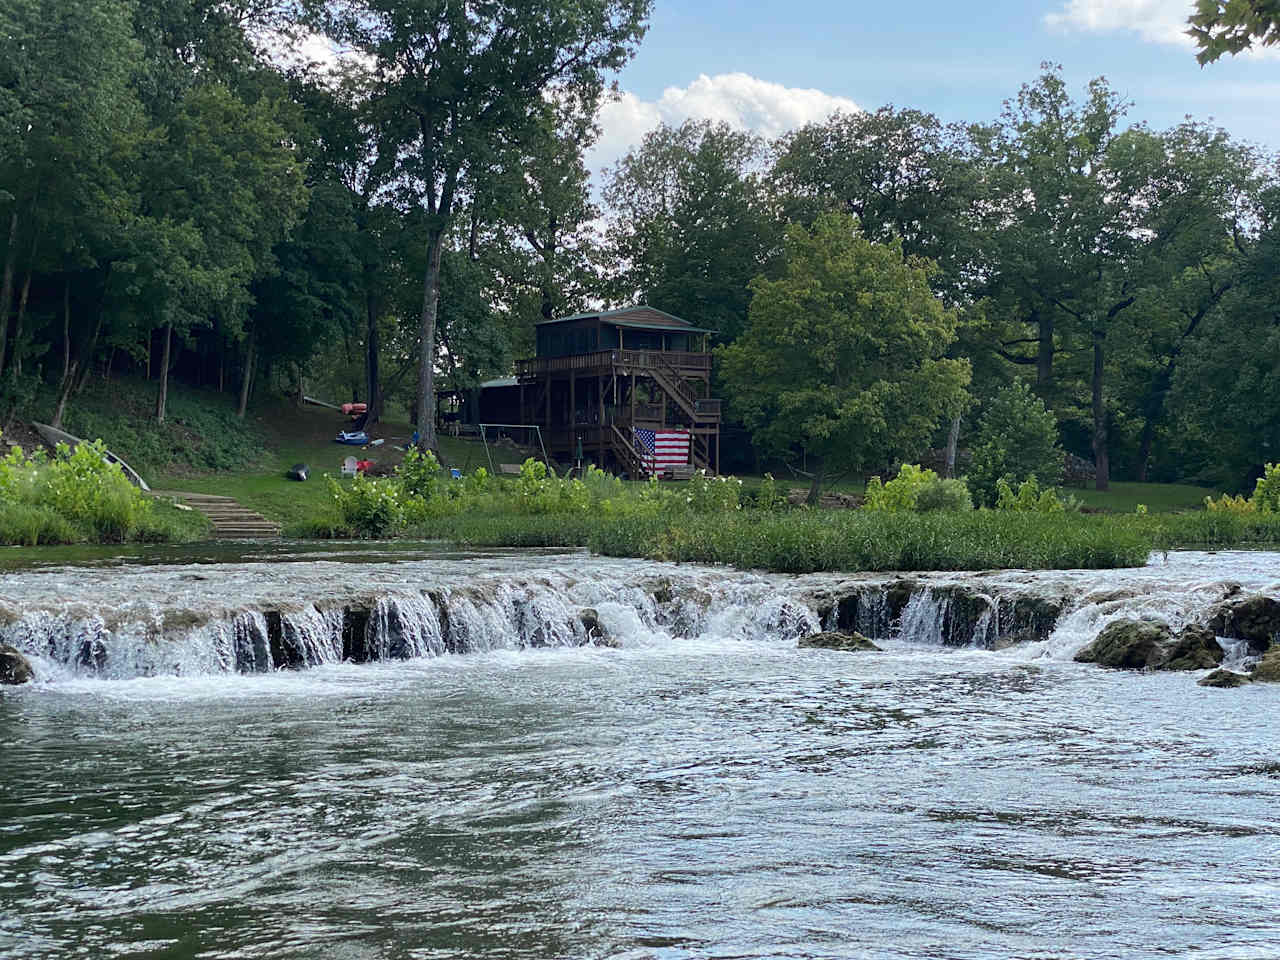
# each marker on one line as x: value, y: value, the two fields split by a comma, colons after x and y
x: 53, y: 436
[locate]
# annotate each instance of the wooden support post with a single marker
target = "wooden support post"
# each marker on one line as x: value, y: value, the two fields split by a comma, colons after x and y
x: 573, y: 400
x: 548, y: 403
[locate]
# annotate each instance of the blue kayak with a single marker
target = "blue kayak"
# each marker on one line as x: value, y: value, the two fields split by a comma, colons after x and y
x: 357, y: 439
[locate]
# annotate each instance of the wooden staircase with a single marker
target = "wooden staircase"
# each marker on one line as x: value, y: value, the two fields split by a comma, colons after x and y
x: 230, y: 520
x: 681, y: 391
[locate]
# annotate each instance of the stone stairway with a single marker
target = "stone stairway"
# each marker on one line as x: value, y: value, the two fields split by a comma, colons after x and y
x: 230, y: 520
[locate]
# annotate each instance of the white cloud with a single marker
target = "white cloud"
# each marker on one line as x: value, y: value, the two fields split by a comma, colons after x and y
x: 738, y: 99
x: 1156, y: 21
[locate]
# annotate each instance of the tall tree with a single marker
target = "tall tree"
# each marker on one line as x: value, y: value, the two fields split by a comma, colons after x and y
x: 459, y: 78
x: 902, y: 173
x: 533, y: 222
x: 691, y: 223
x: 67, y: 120
x: 844, y: 355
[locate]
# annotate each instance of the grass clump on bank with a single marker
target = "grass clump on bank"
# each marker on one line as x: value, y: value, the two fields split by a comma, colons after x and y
x: 709, y: 520
x: 78, y: 497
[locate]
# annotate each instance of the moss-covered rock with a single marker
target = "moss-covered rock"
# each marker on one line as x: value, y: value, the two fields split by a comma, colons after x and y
x: 837, y: 641
x: 1224, y: 678
x: 15, y: 668
x: 1268, y: 668
x: 1196, y: 648
x: 1254, y: 618
x: 1129, y: 644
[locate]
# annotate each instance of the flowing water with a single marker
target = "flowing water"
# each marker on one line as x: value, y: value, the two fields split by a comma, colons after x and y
x: 556, y: 755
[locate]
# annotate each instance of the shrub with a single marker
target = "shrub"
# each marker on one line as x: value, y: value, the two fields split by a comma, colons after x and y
x: 419, y: 474
x: 1266, y: 495
x: 1229, y: 504
x: 946, y: 496
x: 478, y: 482
x: 601, y: 485
x: 369, y: 508
x: 540, y: 492
x: 768, y: 497
x: 77, y: 495
x: 704, y: 494
x: 1017, y: 437
x: 900, y: 493
x: 1029, y: 498
x: 93, y: 494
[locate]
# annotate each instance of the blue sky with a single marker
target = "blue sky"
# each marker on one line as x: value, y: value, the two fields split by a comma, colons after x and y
x: 768, y: 65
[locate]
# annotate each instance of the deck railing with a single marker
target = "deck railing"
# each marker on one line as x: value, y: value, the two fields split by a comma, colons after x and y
x: 620, y: 360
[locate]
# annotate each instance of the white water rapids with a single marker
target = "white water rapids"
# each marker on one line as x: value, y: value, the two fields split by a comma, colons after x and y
x: 119, y: 622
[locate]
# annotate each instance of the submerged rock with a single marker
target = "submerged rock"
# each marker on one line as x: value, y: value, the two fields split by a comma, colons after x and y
x: 1129, y: 644
x: 1255, y: 618
x: 831, y: 640
x: 1224, y: 678
x: 15, y: 668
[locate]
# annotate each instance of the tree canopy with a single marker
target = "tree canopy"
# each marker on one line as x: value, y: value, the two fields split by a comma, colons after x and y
x: 843, y: 359
x: 1233, y: 26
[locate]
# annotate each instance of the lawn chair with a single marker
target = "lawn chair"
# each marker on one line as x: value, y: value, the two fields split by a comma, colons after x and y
x: 349, y: 467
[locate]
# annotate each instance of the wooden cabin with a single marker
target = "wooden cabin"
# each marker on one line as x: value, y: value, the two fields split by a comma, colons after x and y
x: 604, y: 383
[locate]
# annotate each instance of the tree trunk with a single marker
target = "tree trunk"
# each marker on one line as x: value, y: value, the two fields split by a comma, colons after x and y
x: 6, y: 285
x: 297, y: 374
x: 15, y: 348
x: 162, y: 396
x: 373, y: 385
x: 1100, y: 458
x: 66, y: 328
x: 246, y: 379
x: 426, y: 400
x: 1144, y: 447
x: 86, y: 358
x: 953, y: 438
x: 1044, y: 355
x: 64, y: 393
x: 815, y: 483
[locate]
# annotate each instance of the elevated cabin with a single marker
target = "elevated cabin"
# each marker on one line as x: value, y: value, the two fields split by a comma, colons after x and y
x: 623, y: 387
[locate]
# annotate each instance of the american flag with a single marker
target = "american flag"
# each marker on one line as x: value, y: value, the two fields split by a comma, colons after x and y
x: 662, y: 449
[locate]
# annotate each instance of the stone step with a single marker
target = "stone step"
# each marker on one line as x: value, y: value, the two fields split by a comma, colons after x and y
x: 230, y: 520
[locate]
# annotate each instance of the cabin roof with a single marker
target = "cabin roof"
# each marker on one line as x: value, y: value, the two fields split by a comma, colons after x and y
x: 639, y: 316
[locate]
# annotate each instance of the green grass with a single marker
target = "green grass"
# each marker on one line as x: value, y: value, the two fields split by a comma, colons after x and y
x: 1123, y: 497
x: 1158, y: 497
x: 809, y: 541
x: 304, y: 435
x: 201, y: 431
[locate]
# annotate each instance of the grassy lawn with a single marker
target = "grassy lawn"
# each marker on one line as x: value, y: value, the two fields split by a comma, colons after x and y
x: 305, y: 435
x: 1158, y: 497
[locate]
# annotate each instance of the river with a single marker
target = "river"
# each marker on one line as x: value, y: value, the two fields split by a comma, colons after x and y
x: 668, y: 776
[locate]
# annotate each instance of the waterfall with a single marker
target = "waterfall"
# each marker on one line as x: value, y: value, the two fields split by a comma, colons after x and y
x: 257, y: 618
